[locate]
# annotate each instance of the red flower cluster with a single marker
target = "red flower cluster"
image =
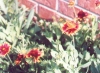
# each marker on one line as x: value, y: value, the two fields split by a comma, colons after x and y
x: 4, y: 49
x: 82, y: 14
x: 20, y: 57
x: 35, y: 54
x: 70, y: 28
x: 83, y: 17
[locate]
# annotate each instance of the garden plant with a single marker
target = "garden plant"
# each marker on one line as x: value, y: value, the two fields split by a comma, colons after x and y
x: 30, y: 44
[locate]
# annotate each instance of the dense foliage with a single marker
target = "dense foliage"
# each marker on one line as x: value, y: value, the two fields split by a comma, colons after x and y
x: 30, y: 44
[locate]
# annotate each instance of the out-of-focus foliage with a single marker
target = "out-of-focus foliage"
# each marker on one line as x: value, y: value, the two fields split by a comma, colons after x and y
x: 40, y: 46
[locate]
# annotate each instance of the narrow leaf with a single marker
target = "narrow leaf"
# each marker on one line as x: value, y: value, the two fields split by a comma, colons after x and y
x: 57, y: 71
x: 2, y: 5
x: 30, y: 17
x: 86, y: 65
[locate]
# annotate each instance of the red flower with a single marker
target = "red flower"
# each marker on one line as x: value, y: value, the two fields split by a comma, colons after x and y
x: 70, y: 28
x: 4, y: 49
x: 82, y: 14
x: 19, y: 59
x: 97, y: 3
x: 35, y: 54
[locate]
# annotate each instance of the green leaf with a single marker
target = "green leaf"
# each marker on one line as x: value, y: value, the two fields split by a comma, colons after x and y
x: 30, y: 17
x: 21, y: 18
x: 29, y: 60
x: 54, y: 44
x: 93, y: 68
x: 53, y: 53
x: 66, y: 65
x: 48, y: 35
x: 36, y: 28
x: 80, y: 55
x: 9, y: 38
x: 97, y: 51
x: 49, y: 72
x: 86, y: 65
x: 3, y: 7
x: 2, y: 20
x: 56, y: 70
x: 16, y: 5
x: 58, y: 33
x: 17, y: 29
x: 94, y: 28
x: 87, y: 56
x: 2, y: 35
x: 70, y: 47
x: 60, y: 47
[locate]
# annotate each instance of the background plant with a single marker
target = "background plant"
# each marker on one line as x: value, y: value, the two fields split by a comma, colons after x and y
x: 25, y: 31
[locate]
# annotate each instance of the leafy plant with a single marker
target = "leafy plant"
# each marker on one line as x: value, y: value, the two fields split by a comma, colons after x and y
x: 30, y: 44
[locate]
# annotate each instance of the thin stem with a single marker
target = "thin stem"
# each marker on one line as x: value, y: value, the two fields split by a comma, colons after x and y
x: 14, y: 43
x: 87, y: 69
x: 10, y: 60
x: 73, y: 41
x: 35, y: 65
x: 74, y: 11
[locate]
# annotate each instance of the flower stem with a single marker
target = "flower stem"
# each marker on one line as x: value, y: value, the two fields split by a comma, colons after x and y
x: 74, y: 11
x: 35, y: 65
x: 73, y: 41
x: 10, y: 60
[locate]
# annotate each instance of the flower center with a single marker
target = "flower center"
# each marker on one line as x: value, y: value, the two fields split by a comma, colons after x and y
x: 70, y: 25
x: 3, y: 49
